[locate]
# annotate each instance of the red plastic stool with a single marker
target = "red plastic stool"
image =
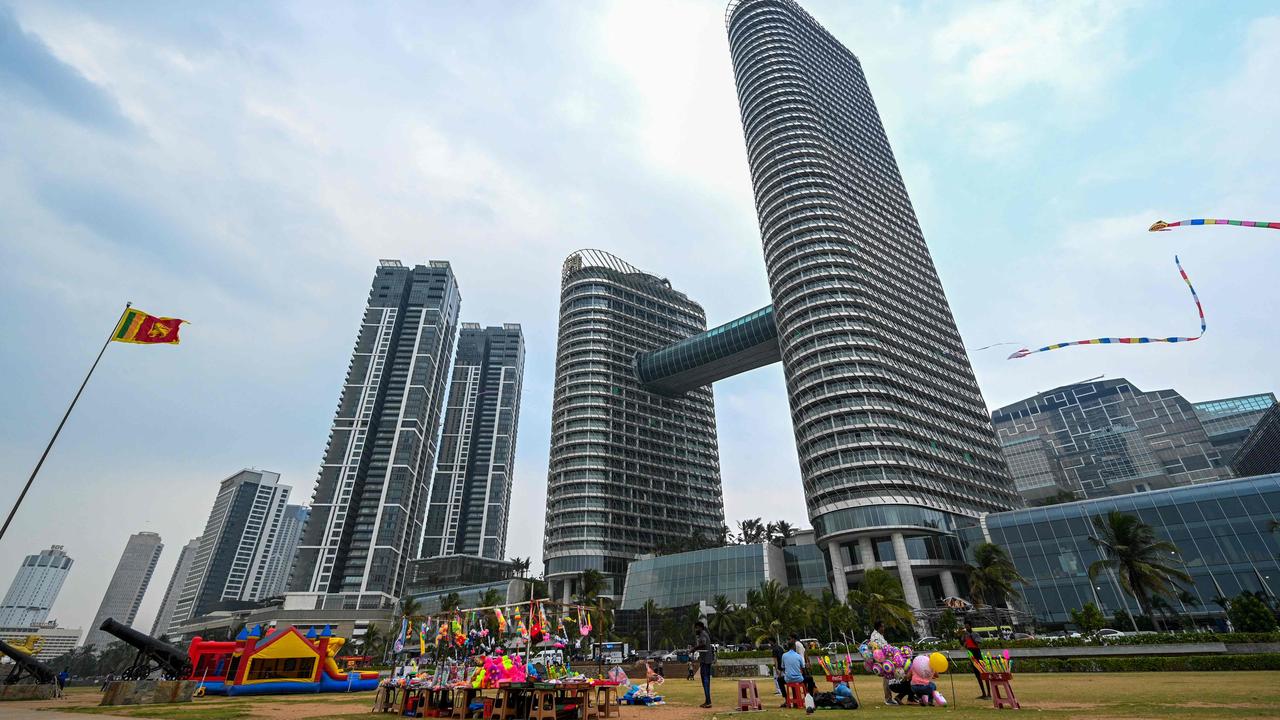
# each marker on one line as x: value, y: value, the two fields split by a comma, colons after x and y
x: 748, y: 695
x: 795, y: 695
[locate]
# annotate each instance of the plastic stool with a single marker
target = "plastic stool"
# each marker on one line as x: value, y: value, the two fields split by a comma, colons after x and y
x: 795, y: 695
x: 1006, y: 699
x: 544, y: 705
x: 607, y: 701
x: 748, y: 695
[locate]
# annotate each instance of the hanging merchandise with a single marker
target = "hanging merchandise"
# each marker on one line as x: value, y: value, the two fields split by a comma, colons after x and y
x: 1130, y: 340
x: 584, y: 622
x: 502, y: 622
x: 398, y: 647
x: 422, y: 638
x: 536, y: 622
x: 521, y: 630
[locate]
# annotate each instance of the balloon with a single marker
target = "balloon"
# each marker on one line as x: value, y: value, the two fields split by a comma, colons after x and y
x: 869, y: 665
x: 864, y: 649
x: 906, y: 651
x: 920, y: 665
x: 938, y: 699
x: 938, y: 662
x: 886, y: 669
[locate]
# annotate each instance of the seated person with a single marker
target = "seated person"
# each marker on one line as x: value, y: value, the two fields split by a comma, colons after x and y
x: 844, y: 697
x: 902, y: 689
x: 922, y: 684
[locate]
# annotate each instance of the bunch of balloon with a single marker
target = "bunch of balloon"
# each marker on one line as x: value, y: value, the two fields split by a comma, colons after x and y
x: 886, y: 660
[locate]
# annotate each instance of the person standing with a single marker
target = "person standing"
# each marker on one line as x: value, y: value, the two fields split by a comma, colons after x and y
x: 973, y: 643
x: 877, y: 637
x: 776, y: 649
x: 706, y: 658
x: 62, y: 681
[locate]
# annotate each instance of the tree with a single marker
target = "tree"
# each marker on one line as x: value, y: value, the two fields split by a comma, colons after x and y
x: 880, y: 597
x: 1062, y: 496
x: 721, y: 622
x: 410, y: 608
x: 948, y: 627
x: 450, y: 602
x: 826, y: 610
x: 779, y: 532
x: 372, y: 643
x: 992, y: 576
x: 1088, y: 618
x: 590, y: 584
x: 770, y: 609
x: 520, y: 566
x: 752, y: 531
x: 1139, y: 560
x: 1249, y: 614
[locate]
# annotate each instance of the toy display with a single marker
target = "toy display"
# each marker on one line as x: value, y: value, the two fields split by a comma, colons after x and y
x: 285, y: 661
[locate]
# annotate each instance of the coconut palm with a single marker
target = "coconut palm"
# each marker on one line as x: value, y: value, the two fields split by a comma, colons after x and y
x: 721, y: 623
x: 372, y: 643
x: 770, y: 608
x: 520, y: 566
x: 450, y: 602
x: 992, y: 576
x: 753, y: 531
x: 1139, y: 559
x: 880, y: 597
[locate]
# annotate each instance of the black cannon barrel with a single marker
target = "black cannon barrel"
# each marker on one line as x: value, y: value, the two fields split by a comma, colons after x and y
x: 170, y: 659
x: 40, y: 672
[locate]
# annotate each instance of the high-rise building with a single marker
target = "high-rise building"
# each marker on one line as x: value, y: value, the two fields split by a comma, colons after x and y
x: 173, y: 590
x: 631, y: 471
x: 1259, y: 454
x: 1104, y: 437
x: 34, y: 588
x: 229, y: 569
x: 471, y: 494
x: 1229, y: 420
x: 370, y: 501
x: 128, y: 585
x: 894, y: 438
x: 284, y: 550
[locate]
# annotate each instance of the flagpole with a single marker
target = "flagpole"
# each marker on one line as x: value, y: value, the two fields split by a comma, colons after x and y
x: 65, y: 415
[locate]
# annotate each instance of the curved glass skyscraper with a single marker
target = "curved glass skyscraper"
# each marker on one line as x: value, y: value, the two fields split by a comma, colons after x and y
x: 631, y: 471
x: 893, y: 435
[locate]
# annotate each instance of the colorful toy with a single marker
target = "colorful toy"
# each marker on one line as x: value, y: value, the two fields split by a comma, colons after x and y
x: 1162, y: 226
x: 285, y: 661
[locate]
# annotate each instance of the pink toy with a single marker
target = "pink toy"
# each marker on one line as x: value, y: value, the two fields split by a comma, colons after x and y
x: 938, y: 699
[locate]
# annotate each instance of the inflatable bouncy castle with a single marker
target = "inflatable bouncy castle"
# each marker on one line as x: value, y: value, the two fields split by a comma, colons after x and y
x: 286, y: 661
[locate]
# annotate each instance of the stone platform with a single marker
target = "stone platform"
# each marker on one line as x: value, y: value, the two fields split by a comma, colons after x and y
x: 148, y: 692
x: 28, y: 691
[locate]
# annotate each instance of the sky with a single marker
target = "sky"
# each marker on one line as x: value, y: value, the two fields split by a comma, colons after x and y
x: 245, y: 166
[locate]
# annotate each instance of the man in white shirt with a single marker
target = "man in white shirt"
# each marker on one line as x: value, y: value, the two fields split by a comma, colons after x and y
x: 877, y: 637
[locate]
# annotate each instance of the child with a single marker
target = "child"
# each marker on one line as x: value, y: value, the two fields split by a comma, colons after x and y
x: 651, y: 678
x: 922, y: 683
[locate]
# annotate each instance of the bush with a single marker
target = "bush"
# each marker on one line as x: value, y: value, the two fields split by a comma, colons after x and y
x: 1088, y: 618
x: 1249, y: 614
x: 1157, y: 639
x: 1187, y: 663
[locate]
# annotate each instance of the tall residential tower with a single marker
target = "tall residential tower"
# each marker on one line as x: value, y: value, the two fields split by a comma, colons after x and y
x: 471, y: 494
x: 892, y: 432
x: 34, y: 589
x: 128, y: 585
x: 370, y: 500
x: 173, y: 591
x: 631, y: 471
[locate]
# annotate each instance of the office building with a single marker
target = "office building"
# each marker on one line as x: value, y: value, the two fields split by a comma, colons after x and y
x: 1104, y: 437
x: 631, y: 471
x: 471, y: 494
x: 1229, y: 420
x: 698, y: 576
x: 892, y: 431
x: 128, y: 585
x: 454, y: 571
x: 370, y: 500
x: 284, y: 550
x: 172, y: 591
x: 34, y: 589
x: 52, y: 641
x: 229, y: 568
x: 1222, y: 531
x: 1260, y: 452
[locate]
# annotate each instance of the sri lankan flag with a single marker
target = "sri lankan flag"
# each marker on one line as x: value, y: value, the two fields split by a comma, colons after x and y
x: 139, y: 327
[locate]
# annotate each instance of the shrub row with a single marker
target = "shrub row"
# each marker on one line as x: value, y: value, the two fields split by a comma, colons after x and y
x: 1186, y: 663
x: 1155, y: 639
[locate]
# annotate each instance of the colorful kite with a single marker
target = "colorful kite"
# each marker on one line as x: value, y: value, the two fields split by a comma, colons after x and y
x: 1130, y: 340
x: 1162, y: 226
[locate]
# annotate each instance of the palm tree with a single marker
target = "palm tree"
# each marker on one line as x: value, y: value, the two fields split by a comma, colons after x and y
x: 410, y: 608
x: 520, y: 566
x: 651, y: 611
x: 1131, y: 550
x: 770, y: 608
x: 779, y: 532
x: 450, y: 602
x: 590, y: 584
x: 880, y: 597
x: 372, y: 643
x: 721, y: 621
x: 827, y: 608
x: 992, y: 576
x: 753, y: 531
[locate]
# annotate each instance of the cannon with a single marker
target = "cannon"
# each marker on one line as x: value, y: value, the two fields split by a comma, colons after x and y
x: 25, y: 666
x: 153, y: 655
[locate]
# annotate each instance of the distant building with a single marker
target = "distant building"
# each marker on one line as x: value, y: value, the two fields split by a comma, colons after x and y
x: 471, y: 493
x: 34, y: 589
x: 1101, y: 438
x: 284, y: 550
x: 370, y: 500
x: 1260, y: 452
x: 454, y: 571
x: 174, y: 589
x: 1221, y: 530
x: 698, y: 576
x: 230, y: 564
x: 128, y: 585
x: 1229, y: 420
x: 54, y: 641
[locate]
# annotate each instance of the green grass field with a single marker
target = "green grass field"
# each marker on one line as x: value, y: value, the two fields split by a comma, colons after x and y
x: 1092, y: 696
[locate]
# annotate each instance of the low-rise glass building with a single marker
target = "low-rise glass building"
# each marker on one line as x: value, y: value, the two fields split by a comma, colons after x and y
x: 698, y: 576
x: 1222, y: 530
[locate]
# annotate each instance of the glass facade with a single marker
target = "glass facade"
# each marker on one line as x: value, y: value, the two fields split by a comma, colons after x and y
x: 737, y: 346
x: 1228, y: 421
x: 1220, y: 528
x: 35, y: 587
x: 370, y: 500
x: 631, y: 471
x: 471, y: 494
x: 1104, y: 438
x: 128, y: 584
x: 884, y: 403
x: 1260, y: 452
x: 695, y: 577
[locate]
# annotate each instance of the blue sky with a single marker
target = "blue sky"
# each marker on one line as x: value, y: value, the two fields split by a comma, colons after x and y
x: 245, y: 167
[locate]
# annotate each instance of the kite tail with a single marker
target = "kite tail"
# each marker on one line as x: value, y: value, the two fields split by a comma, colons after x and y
x: 1130, y: 340
x: 1162, y: 226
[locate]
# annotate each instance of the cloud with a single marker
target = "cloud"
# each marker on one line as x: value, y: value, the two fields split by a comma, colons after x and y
x: 30, y: 71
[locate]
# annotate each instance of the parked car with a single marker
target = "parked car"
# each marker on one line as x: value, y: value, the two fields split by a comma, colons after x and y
x: 1023, y: 636
x: 1109, y: 633
x: 928, y: 640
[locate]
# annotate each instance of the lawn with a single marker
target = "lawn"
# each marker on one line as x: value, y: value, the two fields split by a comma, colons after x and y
x: 1092, y: 696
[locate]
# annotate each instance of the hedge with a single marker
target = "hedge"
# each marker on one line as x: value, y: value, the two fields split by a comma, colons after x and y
x: 1185, y: 663
x: 1154, y: 639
